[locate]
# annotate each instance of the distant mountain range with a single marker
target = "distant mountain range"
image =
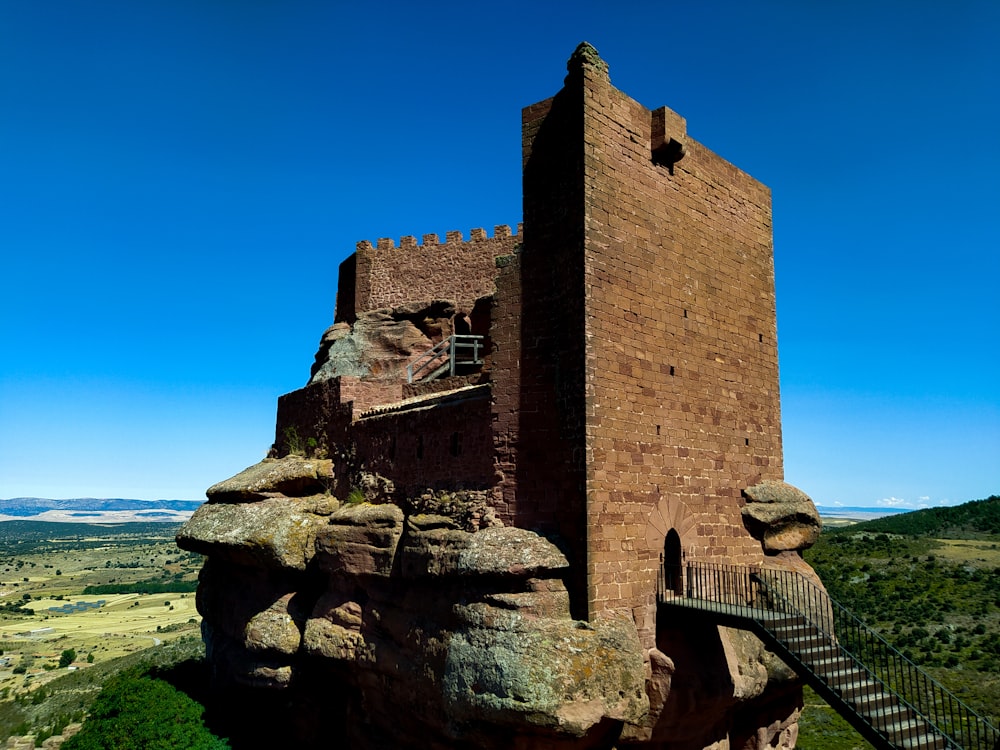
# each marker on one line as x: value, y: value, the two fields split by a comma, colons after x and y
x: 858, y: 511
x: 96, y: 510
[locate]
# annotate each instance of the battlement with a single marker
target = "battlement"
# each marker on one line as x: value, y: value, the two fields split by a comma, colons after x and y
x: 384, y: 275
x: 452, y: 239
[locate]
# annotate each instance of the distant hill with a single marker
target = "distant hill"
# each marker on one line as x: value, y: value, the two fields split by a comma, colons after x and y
x: 96, y: 510
x: 973, y: 520
x: 26, y: 536
x: 855, y: 512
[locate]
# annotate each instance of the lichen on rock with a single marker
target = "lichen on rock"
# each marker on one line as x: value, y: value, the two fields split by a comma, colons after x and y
x: 781, y: 516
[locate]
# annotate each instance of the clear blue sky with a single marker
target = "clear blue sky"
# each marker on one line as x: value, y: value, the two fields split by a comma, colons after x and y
x: 179, y: 180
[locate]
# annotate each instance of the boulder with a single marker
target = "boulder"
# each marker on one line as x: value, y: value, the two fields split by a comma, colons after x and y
x: 360, y: 539
x: 236, y: 665
x: 434, y: 548
x: 292, y: 476
x: 781, y: 517
x: 275, y: 533
x: 380, y: 343
x: 560, y: 675
x: 260, y: 611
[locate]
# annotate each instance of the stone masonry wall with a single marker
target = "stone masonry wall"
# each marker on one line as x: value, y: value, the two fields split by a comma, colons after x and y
x: 682, y: 370
x: 441, y: 446
x: 383, y: 275
x: 538, y: 335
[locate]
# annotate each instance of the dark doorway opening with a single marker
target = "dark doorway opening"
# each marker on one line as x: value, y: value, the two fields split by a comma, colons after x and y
x: 672, y: 563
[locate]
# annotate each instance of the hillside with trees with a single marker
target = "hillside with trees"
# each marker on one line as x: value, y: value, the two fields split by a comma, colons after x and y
x: 929, y: 581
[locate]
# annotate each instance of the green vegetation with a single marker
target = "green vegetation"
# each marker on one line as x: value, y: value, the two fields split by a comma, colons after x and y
x: 136, y: 710
x: 55, y: 662
x: 46, y: 710
x: 160, y: 586
x: 25, y: 537
x: 979, y: 519
x: 297, y: 446
x: 66, y: 658
x: 822, y: 728
x: 929, y: 582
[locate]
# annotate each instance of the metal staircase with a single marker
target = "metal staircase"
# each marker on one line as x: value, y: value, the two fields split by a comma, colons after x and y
x: 885, y: 696
x: 446, y: 357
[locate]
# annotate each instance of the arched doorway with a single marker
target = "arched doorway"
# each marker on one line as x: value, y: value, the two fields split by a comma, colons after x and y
x: 672, y: 563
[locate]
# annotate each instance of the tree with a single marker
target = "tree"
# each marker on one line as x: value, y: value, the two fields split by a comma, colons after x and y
x: 136, y: 711
x: 66, y: 658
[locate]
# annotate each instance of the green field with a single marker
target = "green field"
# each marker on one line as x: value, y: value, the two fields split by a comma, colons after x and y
x: 44, y: 565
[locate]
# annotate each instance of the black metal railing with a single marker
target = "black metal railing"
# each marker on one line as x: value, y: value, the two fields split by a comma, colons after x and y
x: 836, y: 648
x: 457, y: 348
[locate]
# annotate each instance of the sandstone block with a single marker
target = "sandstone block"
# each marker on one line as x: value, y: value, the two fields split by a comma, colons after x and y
x: 257, y: 609
x: 360, y: 540
x: 293, y: 476
x: 499, y: 550
x: 275, y: 533
x: 240, y: 666
x: 781, y: 516
x: 564, y: 676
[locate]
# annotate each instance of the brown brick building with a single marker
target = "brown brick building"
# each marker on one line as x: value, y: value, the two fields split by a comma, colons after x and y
x: 629, y: 388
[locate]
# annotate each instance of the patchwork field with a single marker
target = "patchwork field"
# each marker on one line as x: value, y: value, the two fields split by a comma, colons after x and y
x: 128, y: 585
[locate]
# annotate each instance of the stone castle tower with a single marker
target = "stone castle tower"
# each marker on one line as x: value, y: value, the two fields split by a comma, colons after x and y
x: 581, y: 397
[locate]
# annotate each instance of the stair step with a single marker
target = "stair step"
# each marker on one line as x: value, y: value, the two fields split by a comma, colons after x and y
x: 885, y: 715
x: 784, y: 620
x: 799, y: 642
x: 799, y: 632
x: 848, y: 690
x: 829, y: 664
x: 905, y: 727
x: 868, y: 704
x: 849, y: 673
x: 819, y: 654
x: 925, y: 741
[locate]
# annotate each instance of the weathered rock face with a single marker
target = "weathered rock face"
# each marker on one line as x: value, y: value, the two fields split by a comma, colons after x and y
x: 381, y: 342
x: 437, y: 636
x: 781, y: 516
x: 434, y: 632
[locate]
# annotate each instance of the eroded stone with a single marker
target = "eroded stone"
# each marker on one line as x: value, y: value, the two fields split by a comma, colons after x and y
x: 293, y: 476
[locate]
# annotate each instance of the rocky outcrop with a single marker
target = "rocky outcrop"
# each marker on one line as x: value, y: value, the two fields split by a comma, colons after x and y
x: 781, y: 516
x: 437, y: 627
x: 470, y: 631
x: 380, y: 343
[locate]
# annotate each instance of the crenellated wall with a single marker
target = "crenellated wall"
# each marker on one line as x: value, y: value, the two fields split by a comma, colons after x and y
x: 384, y: 275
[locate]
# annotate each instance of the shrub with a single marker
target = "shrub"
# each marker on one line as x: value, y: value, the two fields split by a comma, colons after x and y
x: 136, y: 711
